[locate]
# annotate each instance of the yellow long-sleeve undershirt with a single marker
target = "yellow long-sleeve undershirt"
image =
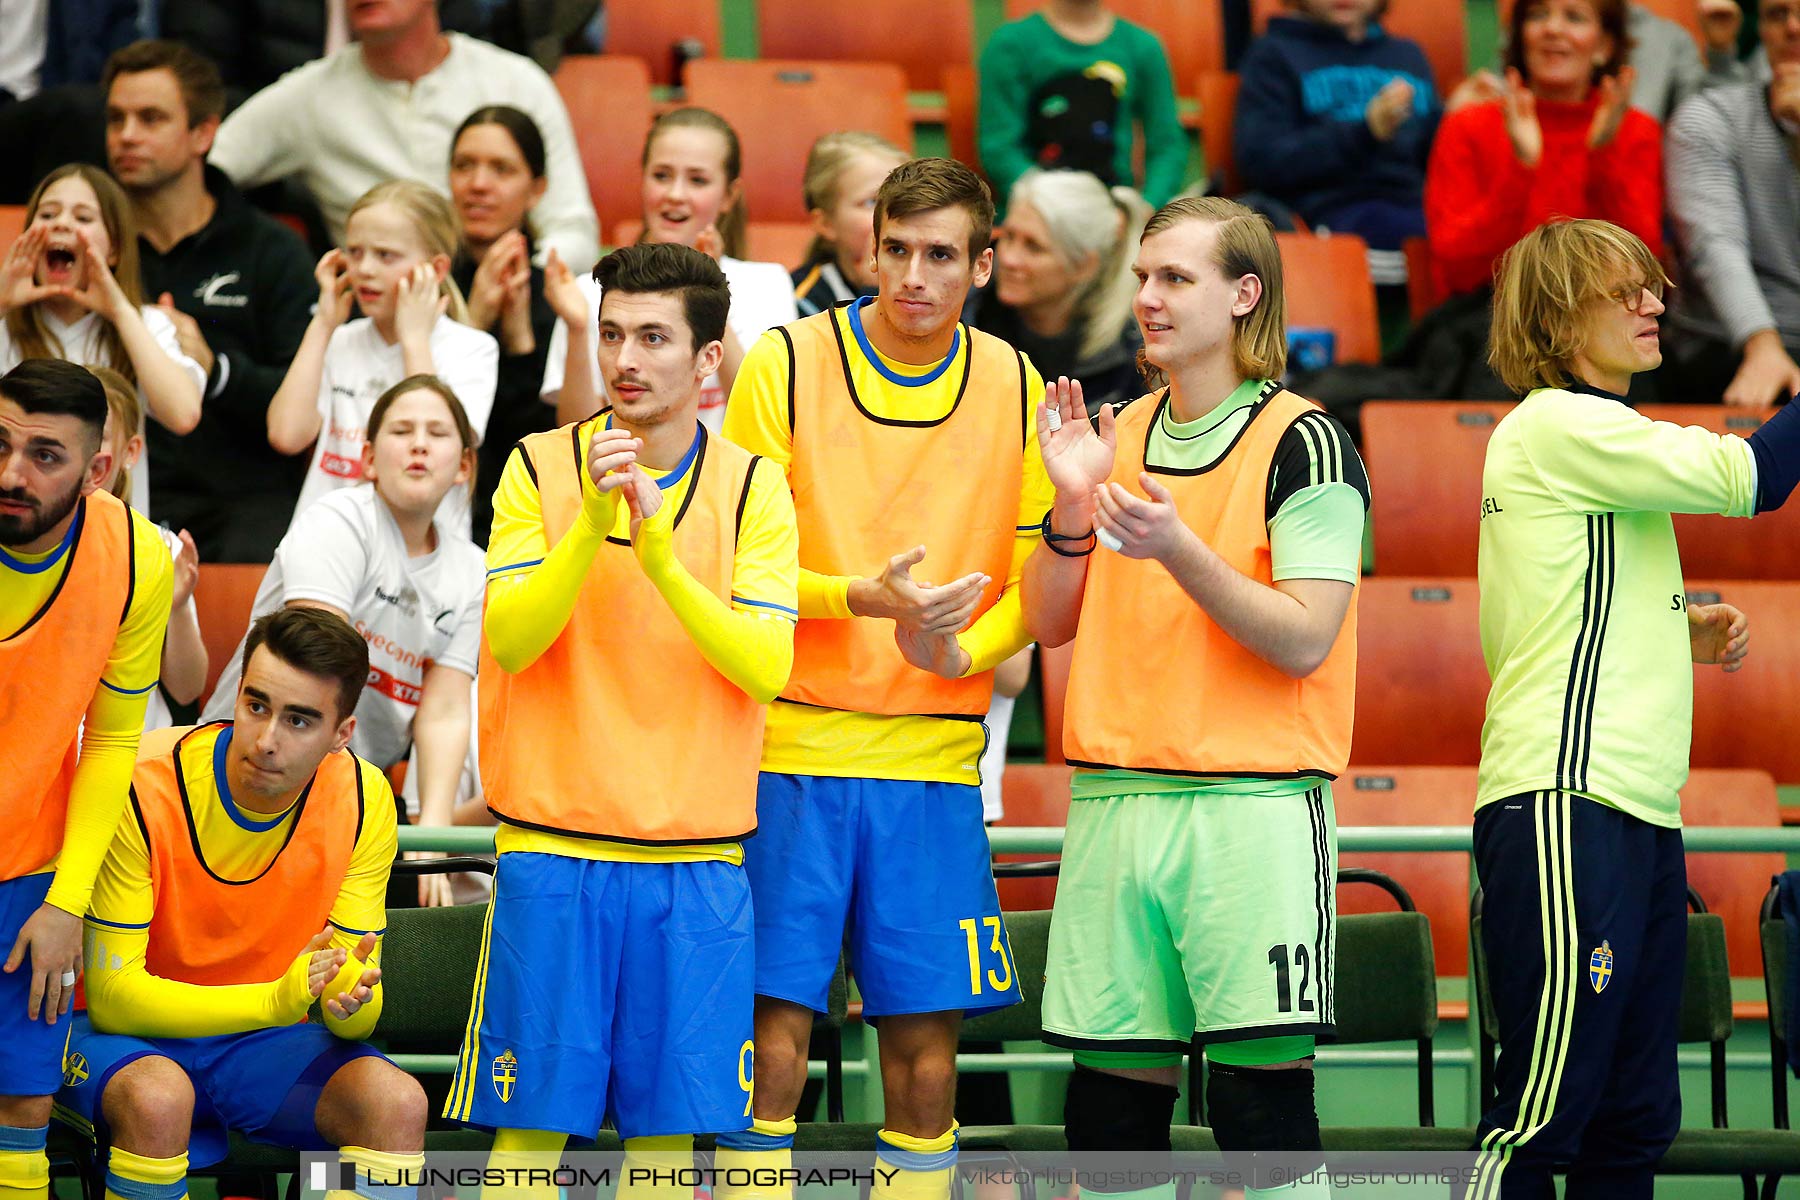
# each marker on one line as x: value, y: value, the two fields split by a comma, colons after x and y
x: 527, y: 609
x: 124, y: 997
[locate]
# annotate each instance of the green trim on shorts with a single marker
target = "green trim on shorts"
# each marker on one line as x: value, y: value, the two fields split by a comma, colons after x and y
x: 1262, y: 1052
x: 1116, y: 1060
x: 1091, y: 784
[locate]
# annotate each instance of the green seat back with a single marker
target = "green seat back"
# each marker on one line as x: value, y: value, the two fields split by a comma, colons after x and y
x: 1706, y: 988
x: 1386, y: 988
x: 428, y: 961
x: 1774, y: 954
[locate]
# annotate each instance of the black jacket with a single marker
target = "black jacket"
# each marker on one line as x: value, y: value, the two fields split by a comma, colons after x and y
x: 519, y: 407
x: 1108, y: 376
x: 247, y: 280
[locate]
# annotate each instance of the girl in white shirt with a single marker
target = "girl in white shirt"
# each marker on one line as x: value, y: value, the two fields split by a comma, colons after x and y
x: 385, y: 558
x: 692, y: 197
x: 395, y: 265
x: 70, y: 289
x: 184, y: 657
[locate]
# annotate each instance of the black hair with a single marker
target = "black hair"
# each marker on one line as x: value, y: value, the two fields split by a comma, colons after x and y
x: 667, y: 267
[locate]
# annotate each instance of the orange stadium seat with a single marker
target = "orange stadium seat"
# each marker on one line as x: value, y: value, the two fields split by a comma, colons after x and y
x: 652, y: 31
x: 961, y: 104
x: 1218, y: 91
x: 1745, y: 719
x: 784, y: 242
x: 12, y: 223
x: 780, y: 107
x: 1438, y: 882
x: 1032, y: 794
x: 1731, y: 547
x: 608, y: 98
x: 1328, y: 287
x: 1422, y: 291
x: 1421, y: 683
x: 1192, y: 31
x: 223, y: 596
x: 1733, y: 884
x: 921, y: 37
x: 1424, y: 459
x: 1440, y: 28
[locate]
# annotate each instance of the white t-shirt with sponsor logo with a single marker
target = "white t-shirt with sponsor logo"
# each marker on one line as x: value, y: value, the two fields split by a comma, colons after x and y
x: 762, y: 297
x: 346, y: 551
x: 80, y: 341
x: 359, y: 366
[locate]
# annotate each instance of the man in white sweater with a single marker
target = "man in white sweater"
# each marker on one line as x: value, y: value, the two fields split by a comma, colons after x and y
x: 386, y: 106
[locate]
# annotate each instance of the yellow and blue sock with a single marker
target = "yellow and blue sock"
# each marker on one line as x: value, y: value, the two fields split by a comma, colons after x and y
x: 651, y: 1167
x: 761, y: 1154
x: 913, y: 1168
x: 380, y: 1173
x: 24, y: 1167
x: 525, y: 1150
x: 137, y: 1177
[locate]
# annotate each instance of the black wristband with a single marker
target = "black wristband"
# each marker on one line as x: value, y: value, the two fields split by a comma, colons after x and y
x: 1054, y: 540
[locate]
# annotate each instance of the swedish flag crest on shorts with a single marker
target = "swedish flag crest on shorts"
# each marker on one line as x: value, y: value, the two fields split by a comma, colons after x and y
x: 1600, y: 966
x: 506, y: 1074
x: 75, y: 1070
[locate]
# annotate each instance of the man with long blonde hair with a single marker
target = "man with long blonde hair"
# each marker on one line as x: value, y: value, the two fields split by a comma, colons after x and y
x: 1210, y: 705
x: 1589, y: 639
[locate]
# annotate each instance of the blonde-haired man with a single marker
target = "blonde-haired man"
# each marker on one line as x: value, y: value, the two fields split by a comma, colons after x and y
x: 1210, y: 704
x: 1589, y: 641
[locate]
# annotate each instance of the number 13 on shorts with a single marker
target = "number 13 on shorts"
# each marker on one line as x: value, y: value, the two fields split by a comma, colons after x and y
x: 988, y: 932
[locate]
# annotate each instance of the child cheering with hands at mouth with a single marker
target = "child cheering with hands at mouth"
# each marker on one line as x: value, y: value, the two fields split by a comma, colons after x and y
x: 395, y: 265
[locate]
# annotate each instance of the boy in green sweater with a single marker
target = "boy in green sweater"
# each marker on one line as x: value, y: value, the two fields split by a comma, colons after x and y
x: 1062, y: 88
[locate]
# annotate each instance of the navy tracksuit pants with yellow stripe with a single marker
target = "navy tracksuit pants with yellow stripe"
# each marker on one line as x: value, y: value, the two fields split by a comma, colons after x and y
x: 1584, y: 923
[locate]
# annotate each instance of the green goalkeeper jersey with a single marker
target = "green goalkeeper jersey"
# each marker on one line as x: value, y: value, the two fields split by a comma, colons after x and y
x: 1583, y: 613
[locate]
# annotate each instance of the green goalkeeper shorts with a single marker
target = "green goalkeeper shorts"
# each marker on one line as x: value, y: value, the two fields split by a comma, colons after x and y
x: 1191, y: 913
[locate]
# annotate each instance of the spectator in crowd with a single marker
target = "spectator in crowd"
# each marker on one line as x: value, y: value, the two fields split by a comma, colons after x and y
x: 184, y: 657
x: 1334, y: 121
x: 496, y: 178
x: 357, y: 549
x: 235, y: 282
x: 395, y: 265
x: 1670, y: 67
x: 1733, y: 193
x: 258, y: 41
x: 843, y: 173
x: 385, y: 107
x: 692, y: 197
x: 1063, y: 285
x: 1062, y: 88
x: 70, y: 288
x: 46, y: 45
x: 1561, y: 141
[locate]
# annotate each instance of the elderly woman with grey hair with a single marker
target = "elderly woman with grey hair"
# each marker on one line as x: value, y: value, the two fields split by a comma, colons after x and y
x: 1062, y: 281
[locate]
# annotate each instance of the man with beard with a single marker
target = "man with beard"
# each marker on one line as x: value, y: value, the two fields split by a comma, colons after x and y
x: 85, y: 586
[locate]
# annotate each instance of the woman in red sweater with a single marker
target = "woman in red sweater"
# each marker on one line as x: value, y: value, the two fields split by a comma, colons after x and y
x: 1561, y: 142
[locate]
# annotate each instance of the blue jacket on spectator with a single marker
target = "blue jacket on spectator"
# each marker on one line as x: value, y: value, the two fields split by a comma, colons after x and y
x: 1300, y: 136
x: 82, y: 34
